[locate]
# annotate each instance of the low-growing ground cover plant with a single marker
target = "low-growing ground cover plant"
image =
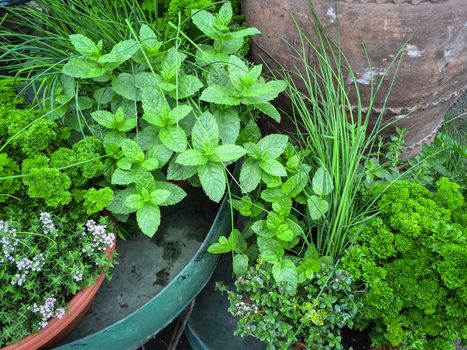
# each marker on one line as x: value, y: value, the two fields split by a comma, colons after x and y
x: 411, y: 259
x: 45, y: 259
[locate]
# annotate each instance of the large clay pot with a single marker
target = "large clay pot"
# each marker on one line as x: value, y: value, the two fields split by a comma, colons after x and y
x: 432, y: 33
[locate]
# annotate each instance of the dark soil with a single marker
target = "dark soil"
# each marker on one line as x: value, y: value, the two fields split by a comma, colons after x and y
x: 162, y: 340
x: 355, y: 339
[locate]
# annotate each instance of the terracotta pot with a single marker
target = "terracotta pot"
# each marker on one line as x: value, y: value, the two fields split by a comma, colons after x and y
x: 432, y: 34
x: 57, y: 329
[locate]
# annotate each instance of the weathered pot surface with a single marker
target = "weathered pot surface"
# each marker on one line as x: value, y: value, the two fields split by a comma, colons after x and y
x: 432, y: 35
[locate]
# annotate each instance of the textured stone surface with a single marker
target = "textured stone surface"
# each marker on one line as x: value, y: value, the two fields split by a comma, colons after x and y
x: 432, y: 36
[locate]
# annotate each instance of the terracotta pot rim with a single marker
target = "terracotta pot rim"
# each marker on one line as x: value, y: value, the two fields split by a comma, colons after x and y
x: 74, y: 308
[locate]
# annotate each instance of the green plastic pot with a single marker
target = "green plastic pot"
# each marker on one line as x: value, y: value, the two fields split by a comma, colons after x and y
x: 146, y: 320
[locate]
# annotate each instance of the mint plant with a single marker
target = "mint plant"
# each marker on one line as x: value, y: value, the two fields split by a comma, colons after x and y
x: 152, y: 104
x: 207, y: 158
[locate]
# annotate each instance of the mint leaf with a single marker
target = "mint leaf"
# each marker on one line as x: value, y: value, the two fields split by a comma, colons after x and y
x: 153, y: 101
x: 151, y: 164
x: 104, y: 95
x: 227, y: 153
x: 188, y: 85
x: 317, y: 207
x: 148, y: 38
x: 191, y: 157
x: 261, y: 229
x: 180, y: 112
x: 104, y: 118
x: 149, y: 219
x: 240, y: 264
x: 273, y: 167
x: 85, y: 46
x: 268, y: 109
x: 134, y: 201
x: 118, y: 202
x: 121, y: 52
x: 83, y: 68
x: 219, y: 94
x: 285, y: 274
x: 171, y: 66
x: 125, y: 85
x: 122, y: 177
x: 174, y: 138
x: 213, y: 180
x: 205, y: 132
x: 270, y: 249
x: 250, y: 175
x: 322, y: 182
x: 177, y: 171
x: 205, y: 22
x: 221, y: 247
x: 159, y: 196
x: 132, y: 151
x: 176, y: 193
x: 229, y: 125
x: 274, y: 145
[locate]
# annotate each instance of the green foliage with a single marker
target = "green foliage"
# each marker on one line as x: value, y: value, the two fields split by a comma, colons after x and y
x: 50, y: 171
x: 412, y: 260
x: 312, y: 317
x: 145, y: 106
x: 97, y: 200
x: 8, y: 167
x: 45, y: 260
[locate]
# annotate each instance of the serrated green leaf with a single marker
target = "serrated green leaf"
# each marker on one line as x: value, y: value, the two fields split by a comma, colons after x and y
x: 176, y: 193
x: 285, y: 274
x: 205, y: 132
x: 191, y: 157
x: 221, y: 247
x: 229, y: 125
x: 225, y: 13
x: 219, y: 94
x: 104, y: 118
x: 118, y: 202
x: 240, y: 264
x: 125, y: 85
x: 149, y: 219
x: 153, y: 101
x: 177, y: 171
x: 322, y: 182
x: 270, y: 249
x: 148, y: 38
x: 85, y: 46
x: 122, y: 177
x: 213, y: 181
x: 317, y: 207
x: 268, y: 109
x: 180, y: 112
x: 171, y: 66
x: 121, y: 52
x: 227, y: 153
x: 132, y: 150
x: 83, y: 68
x: 272, y: 167
x: 295, y: 184
x: 145, y: 182
x: 151, y: 164
x: 274, y: 145
x: 250, y: 175
x: 261, y: 229
x: 104, y: 95
x: 174, y: 138
x: 205, y: 22
x: 188, y: 85
x: 134, y: 201
x: 159, y: 152
x: 159, y: 196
